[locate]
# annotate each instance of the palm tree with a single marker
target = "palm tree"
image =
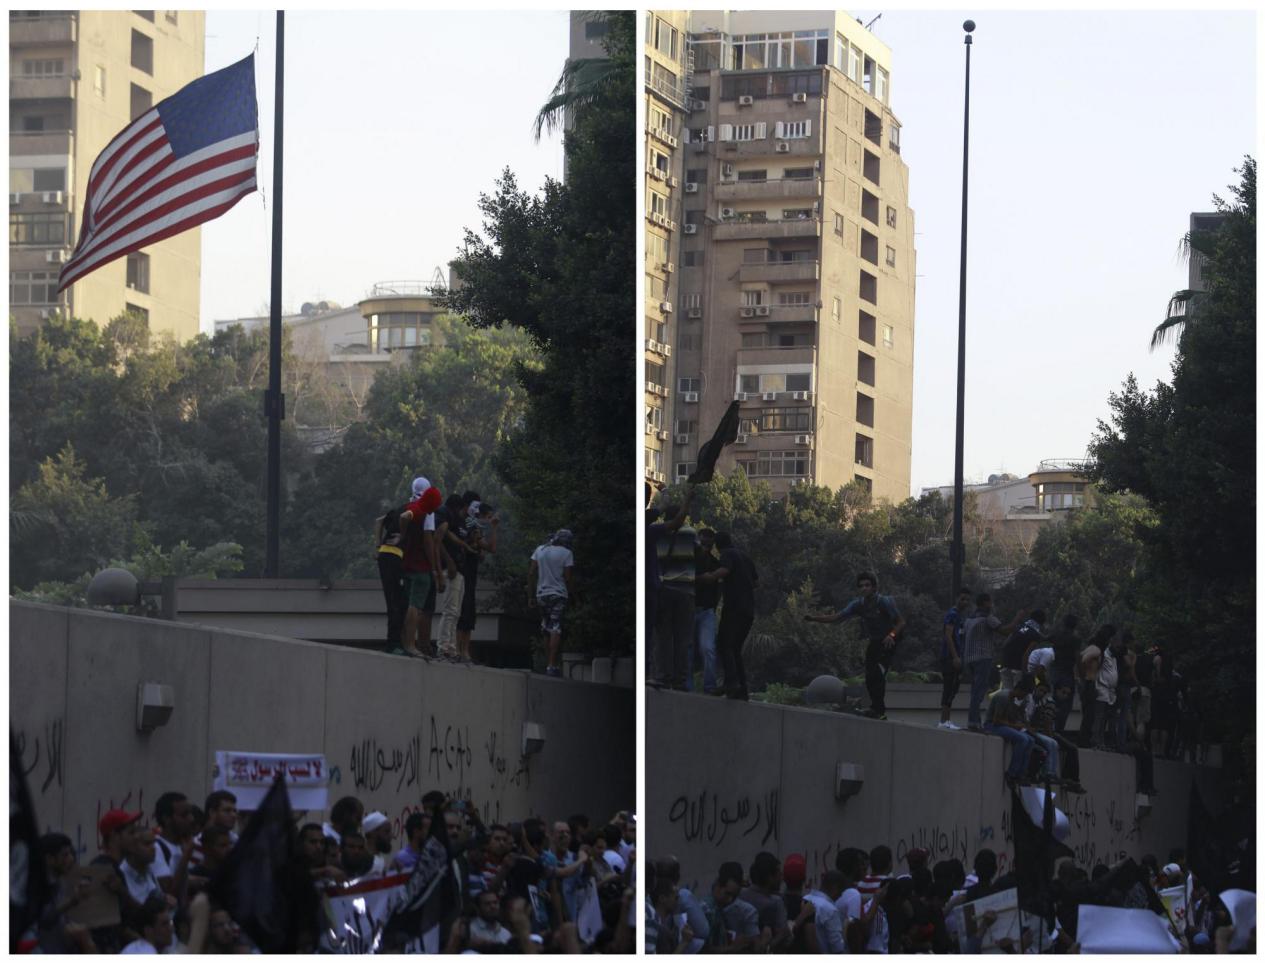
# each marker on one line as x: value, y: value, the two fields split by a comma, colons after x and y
x: 582, y: 83
x: 1183, y: 306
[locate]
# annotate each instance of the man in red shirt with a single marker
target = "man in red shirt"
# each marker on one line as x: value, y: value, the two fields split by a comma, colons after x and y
x: 422, y: 572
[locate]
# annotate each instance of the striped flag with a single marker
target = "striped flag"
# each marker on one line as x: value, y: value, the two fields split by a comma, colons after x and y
x: 183, y: 162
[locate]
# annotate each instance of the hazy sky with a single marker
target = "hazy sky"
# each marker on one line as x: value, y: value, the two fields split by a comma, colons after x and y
x: 1093, y: 137
x: 395, y: 121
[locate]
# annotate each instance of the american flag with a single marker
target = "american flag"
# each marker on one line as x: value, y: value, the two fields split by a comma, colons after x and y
x: 183, y: 162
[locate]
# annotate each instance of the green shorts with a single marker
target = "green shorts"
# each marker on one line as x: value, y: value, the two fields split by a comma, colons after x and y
x: 421, y: 589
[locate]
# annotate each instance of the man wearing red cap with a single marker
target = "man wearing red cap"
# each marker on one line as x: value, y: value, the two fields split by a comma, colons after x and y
x: 118, y: 834
x: 422, y: 572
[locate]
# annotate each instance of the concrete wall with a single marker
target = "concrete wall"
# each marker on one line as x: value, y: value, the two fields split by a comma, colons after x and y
x: 725, y: 780
x: 391, y: 729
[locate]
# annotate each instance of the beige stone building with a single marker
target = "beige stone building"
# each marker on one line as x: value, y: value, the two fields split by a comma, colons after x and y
x: 666, y: 83
x: 796, y: 258
x: 77, y: 78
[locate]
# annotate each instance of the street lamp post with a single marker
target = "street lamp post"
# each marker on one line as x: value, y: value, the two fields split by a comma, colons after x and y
x: 957, y: 549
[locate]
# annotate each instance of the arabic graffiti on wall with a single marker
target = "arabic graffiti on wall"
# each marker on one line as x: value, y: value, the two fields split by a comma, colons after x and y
x: 707, y: 818
x: 42, y: 747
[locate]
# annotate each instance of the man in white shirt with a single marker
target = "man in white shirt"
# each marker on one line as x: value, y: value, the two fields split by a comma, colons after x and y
x: 549, y: 580
x: 827, y: 920
x: 137, y: 867
x: 486, y: 926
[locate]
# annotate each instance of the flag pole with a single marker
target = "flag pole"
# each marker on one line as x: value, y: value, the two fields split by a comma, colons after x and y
x: 274, y: 400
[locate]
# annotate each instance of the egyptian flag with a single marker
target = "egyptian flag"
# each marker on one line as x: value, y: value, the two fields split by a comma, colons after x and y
x: 432, y: 898
x: 28, y: 883
x: 726, y: 434
x: 264, y: 886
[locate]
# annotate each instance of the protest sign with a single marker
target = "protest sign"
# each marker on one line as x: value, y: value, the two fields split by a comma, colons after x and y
x: 101, y: 906
x: 969, y: 922
x: 1111, y: 929
x: 1174, y: 899
x: 1241, y: 905
x: 1033, y: 798
x: 358, y: 913
x: 249, y: 775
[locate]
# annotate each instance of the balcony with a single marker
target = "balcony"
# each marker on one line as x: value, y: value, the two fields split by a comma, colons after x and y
x: 779, y: 271
x: 41, y: 88
x: 770, y: 190
x: 795, y: 148
x: 787, y: 314
x: 735, y: 230
x: 672, y: 93
x: 46, y: 29
x: 800, y: 354
x: 44, y: 143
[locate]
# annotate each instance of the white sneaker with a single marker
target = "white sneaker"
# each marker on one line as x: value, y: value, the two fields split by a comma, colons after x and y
x: 947, y: 725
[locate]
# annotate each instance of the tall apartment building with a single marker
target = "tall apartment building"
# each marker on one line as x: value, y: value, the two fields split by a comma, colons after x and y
x: 795, y: 262
x: 666, y: 80
x: 77, y: 78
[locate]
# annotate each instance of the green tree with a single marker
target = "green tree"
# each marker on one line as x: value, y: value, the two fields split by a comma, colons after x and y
x: 560, y: 265
x: 1187, y: 448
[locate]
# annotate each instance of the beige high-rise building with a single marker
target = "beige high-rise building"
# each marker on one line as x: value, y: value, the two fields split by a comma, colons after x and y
x: 77, y: 78
x: 666, y: 80
x: 796, y: 257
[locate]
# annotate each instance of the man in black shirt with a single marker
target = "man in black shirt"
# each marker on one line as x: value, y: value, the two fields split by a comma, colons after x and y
x: 739, y: 574
x: 706, y: 595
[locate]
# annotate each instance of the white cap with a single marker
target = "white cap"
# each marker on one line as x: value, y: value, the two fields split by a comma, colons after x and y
x: 1172, y: 869
x: 373, y: 821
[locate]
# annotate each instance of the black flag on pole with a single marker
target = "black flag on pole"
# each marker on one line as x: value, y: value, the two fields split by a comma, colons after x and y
x: 1036, y: 851
x: 28, y: 883
x: 726, y: 434
x: 263, y: 886
x: 432, y: 896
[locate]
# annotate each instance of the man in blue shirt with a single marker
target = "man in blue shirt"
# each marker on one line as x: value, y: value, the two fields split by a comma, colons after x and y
x: 883, y: 625
x: 951, y: 655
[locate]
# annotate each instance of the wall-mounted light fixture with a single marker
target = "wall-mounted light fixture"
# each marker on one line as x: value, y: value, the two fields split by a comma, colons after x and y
x: 154, y: 705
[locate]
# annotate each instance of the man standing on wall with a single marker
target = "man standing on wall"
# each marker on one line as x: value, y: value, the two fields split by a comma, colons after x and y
x: 738, y: 573
x: 982, y: 629
x: 422, y: 571
x: 951, y: 644
x: 883, y: 624
x: 549, y: 582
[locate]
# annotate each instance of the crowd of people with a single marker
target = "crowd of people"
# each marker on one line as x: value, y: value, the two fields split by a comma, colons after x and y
x: 863, y: 906
x: 429, y: 553
x: 529, y: 886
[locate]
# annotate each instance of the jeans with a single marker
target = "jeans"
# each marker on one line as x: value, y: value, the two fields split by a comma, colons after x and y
x: 1020, y: 748
x: 980, y: 671
x: 1051, y: 747
x: 391, y: 571
x: 952, y: 682
x: 734, y: 626
x: 451, y: 613
x: 1089, y: 707
x: 878, y: 660
x: 1124, y: 719
x: 673, y: 636
x: 1105, y: 721
x: 705, y: 635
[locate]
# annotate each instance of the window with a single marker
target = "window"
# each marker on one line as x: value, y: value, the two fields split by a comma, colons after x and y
x: 864, y: 451
x: 696, y: 175
x: 865, y: 328
x: 692, y: 258
x: 654, y: 417
x: 798, y: 173
x: 173, y: 17
x: 869, y: 246
x: 98, y: 80
x: 838, y: 223
x: 880, y: 89
x: 777, y: 464
x: 137, y: 311
x: 760, y: 339
x: 689, y: 384
x: 654, y: 459
x: 869, y: 206
x: 686, y: 426
x: 397, y: 330
x: 797, y: 213
x: 145, y: 14
x: 893, y: 137
x: 43, y: 68
x: 33, y: 287
x: 138, y: 272
x: 143, y: 52
x: 870, y: 168
x: 701, y: 93
x: 854, y: 63
x: 866, y: 483
x: 865, y: 368
x: 656, y: 287
x: 760, y: 175
x: 891, y: 256
x: 796, y: 129
x: 888, y: 336
x: 779, y: 419
x: 752, y: 217
x: 1060, y: 496
x: 746, y: 132
x: 32, y: 123
x: 142, y: 100
x: 867, y: 74
x: 659, y: 160
x: 694, y: 300
x: 891, y: 216
x: 666, y: 39
x: 865, y: 410
x: 799, y: 382
x: 684, y: 469
x: 752, y: 299
x: 695, y: 216
x: 749, y: 383
x: 657, y: 330
x: 688, y: 342
x: 48, y: 179
x: 593, y: 29
x: 869, y: 288
x: 873, y: 127
x: 755, y: 255
x: 39, y: 229
x: 658, y: 203
x: 656, y: 248
x: 794, y: 298
x: 661, y: 121
x: 654, y: 372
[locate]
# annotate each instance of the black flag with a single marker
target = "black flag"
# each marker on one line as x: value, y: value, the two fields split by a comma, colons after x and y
x: 726, y: 434
x: 432, y: 896
x: 1036, y: 851
x: 28, y: 882
x: 264, y: 887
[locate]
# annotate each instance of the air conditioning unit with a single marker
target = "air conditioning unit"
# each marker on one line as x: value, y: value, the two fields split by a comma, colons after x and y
x: 662, y: 435
x: 46, y: 313
x: 674, y: 182
x: 664, y: 392
x: 53, y: 197
x: 803, y: 439
x: 56, y: 257
x: 690, y: 397
x: 665, y: 307
x: 746, y: 312
x: 799, y: 98
x: 657, y: 174
x: 668, y: 267
x: 691, y: 187
x: 658, y: 476
x: 740, y: 396
x: 762, y: 311
x: 15, y: 198
x: 769, y: 396
x: 694, y: 312
x: 690, y: 228
x: 783, y: 147
x: 746, y: 100
x: 683, y: 438
x: 727, y: 212
x: 652, y: 344
x: 741, y: 439
x: 669, y: 224
x: 816, y: 165
x: 658, y: 219
x: 726, y: 170
x: 652, y: 388
x: 800, y: 395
